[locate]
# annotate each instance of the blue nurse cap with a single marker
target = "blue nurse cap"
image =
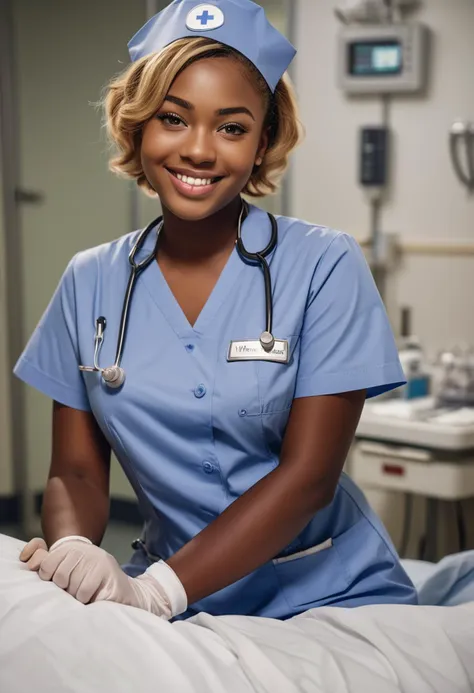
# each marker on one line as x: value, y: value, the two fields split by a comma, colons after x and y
x: 240, y: 24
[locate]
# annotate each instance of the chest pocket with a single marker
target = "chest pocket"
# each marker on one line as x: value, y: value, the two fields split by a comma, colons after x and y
x: 276, y: 381
x: 276, y: 389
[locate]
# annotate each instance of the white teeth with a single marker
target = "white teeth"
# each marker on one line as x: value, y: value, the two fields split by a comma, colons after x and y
x: 193, y: 181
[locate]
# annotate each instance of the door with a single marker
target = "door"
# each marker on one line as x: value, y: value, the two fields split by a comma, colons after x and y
x: 65, y: 53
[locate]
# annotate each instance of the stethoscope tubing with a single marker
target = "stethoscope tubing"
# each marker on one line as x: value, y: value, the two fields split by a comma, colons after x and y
x: 138, y: 268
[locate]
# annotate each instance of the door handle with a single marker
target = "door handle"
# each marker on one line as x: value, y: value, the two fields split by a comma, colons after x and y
x: 29, y: 197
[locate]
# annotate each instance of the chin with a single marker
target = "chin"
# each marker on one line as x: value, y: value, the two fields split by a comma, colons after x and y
x: 192, y: 214
x: 195, y: 209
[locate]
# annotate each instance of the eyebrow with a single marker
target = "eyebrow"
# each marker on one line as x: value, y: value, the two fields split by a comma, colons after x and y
x: 221, y: 112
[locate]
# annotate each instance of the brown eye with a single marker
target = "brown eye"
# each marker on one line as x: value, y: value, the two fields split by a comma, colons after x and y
x: 170, y: 119
x: 233, y: 129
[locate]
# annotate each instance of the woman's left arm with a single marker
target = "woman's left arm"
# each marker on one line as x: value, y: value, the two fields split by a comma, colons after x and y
x: 265, y: 519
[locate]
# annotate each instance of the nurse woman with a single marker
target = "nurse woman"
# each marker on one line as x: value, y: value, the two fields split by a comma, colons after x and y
x: 224, y: 356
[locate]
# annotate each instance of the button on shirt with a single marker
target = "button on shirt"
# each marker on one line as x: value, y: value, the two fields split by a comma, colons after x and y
x: 200, y: 391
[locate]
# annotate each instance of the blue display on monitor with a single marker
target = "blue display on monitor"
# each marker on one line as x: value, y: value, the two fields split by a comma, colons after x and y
x: 372, y: 58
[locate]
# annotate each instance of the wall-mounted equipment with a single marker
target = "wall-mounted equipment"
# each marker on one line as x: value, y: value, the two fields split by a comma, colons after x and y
x: 374, y: 11
x: 461, y: 141
x: 383, y: 59
x: 373, y: 161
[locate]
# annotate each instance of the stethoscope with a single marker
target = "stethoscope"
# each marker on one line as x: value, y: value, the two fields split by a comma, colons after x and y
x: 114, y: 376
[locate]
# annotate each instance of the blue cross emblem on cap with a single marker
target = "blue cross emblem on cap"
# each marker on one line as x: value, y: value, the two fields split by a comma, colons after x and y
x: 204, y: 18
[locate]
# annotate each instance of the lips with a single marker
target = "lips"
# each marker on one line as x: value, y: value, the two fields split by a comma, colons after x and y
x: 194, y: 177
x: 191, y: 186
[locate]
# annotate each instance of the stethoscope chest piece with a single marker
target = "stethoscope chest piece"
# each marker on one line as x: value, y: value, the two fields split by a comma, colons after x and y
x: 113, y: 376
x: 267, y: 340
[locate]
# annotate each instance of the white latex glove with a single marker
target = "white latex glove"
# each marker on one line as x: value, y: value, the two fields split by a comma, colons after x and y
x: 158, y: 590
x: 90, y: 574
x: 76, y: 565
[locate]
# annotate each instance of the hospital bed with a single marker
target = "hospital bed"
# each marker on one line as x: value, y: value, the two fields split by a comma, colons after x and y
x: 50, y: 643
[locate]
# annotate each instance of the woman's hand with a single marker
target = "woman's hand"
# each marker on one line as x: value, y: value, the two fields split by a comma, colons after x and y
x: 90, y: 574
x: 33, y: 553
x: 72, y: 563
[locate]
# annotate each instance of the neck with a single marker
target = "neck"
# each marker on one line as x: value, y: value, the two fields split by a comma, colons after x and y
x: 194, y: 241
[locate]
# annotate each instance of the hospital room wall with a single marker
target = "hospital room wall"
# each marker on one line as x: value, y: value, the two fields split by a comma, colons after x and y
x: 426, y: 203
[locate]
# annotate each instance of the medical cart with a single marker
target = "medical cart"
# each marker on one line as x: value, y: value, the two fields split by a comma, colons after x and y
x: 415, y: 448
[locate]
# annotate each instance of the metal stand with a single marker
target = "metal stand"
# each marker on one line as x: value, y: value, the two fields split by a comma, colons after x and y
x: 429, y: 543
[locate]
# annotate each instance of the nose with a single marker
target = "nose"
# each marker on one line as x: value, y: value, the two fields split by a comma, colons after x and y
x: 198, y: 147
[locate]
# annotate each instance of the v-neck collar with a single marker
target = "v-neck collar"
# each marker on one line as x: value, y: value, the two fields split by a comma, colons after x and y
x: 256, y: 232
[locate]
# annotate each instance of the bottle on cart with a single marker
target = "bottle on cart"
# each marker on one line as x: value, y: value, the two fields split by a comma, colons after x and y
x: 413, y: 361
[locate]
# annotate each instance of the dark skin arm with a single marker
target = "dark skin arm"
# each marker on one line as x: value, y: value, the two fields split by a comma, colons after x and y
x: 76, y: 499
x: 265, y: 519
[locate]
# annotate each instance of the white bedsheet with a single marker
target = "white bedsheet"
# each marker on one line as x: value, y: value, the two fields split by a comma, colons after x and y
x: 447, y: 583
x: 50, y: 643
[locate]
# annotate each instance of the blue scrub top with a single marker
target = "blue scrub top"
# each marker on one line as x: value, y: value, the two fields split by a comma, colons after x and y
x: 193, y: 431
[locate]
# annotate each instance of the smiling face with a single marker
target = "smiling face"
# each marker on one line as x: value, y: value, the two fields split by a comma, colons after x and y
x: 199, y: 150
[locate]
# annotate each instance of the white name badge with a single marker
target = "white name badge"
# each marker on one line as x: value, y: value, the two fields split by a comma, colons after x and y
x: 252, y: 350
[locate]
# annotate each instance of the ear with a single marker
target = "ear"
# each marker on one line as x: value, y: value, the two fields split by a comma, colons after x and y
x: 262, y: 147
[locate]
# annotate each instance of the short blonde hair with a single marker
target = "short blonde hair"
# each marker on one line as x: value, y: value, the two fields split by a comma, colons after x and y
x: 135, y: 95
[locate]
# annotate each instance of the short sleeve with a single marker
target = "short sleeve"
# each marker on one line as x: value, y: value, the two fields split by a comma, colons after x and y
x: 347, y: 343
x: 50, y: 360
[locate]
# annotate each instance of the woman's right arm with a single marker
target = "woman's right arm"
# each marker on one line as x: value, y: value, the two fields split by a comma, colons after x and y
x: 76, y: 499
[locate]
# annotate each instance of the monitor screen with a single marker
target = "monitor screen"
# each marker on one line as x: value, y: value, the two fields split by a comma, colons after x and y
x: 374, y: 58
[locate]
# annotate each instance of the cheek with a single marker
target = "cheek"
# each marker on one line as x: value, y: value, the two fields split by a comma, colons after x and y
x: 241, y: 155
x: 242, y: 163
x: 153, y: 144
